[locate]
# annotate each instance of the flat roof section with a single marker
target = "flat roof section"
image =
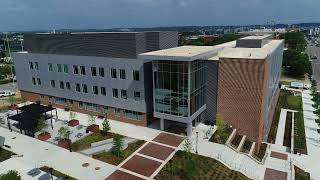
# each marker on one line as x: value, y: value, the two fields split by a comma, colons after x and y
x: 186, y: 53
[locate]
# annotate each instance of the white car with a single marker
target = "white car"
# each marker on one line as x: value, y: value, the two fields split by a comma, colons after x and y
x: 6, y: 93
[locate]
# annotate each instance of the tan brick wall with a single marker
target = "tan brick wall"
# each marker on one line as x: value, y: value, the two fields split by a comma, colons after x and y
x: 44, y: 99
x: 241, y: 91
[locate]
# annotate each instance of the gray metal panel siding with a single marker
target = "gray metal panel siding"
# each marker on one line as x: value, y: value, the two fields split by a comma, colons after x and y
x: 212, y: 89
x: 118, y: 45
x: 168, y: 39
x: 24, y: 76
x: 152, y: 42
x: 148, y: 85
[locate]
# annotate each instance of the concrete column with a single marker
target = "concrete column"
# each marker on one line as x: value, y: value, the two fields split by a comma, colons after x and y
x: 189, y: 129
x: 162, y: 124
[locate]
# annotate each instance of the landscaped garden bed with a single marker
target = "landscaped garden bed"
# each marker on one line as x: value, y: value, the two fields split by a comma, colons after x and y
x: 300, y: 145
x: 179, y: 168
x: 64, y: 143
x: 246, y: 146
x: 259, y: 155
x: 236, y: 141
x: 288, y: 130
x: 85, y: 142
x: 221, y: 137
x: 73, y: 123
x: 56, y: 173
x: 5, y: 154
x: 110, y: 158
x: 300, y: 174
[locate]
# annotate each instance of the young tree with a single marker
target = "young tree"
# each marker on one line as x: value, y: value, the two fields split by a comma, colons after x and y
x: 42, y: 124
x: 105, y: 127
x: 220, y: 122
x: 64, y: 133
x: 91, y: 120
x: 190, y: 161
x: 72, y: 115
x: 117, y: 147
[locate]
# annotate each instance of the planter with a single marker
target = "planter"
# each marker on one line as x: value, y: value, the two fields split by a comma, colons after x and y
x: 93, y: 128
x: 14, y: 107
x: 73, y: 123
x: 44, y: 136
x: 64, y: 143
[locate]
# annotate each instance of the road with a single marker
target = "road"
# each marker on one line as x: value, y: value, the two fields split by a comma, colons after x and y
x: 313, y: 50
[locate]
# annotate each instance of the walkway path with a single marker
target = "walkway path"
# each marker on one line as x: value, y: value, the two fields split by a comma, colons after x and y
x: 38, y: 153
x: 149, y: 159
x: 281, y: 126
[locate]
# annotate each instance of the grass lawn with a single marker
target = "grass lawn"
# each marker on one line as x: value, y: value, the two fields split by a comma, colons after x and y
x: 203, y: 167
x: 260, y: 154
x: 300, y: 144
x: 5, y: 154
x: 287, y: 131
x: 85, y: 142
x: 286, y: 100
x: 221, y: 137
x: 108, y: 157
x: 285, y: 83
x: 57, y: 173
x: 246, y: 146
x: 300, y: 174
x: 236, y: 140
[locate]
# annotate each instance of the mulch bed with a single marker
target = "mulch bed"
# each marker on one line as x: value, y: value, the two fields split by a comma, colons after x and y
x: 288, y: 129
x: 236, y: 140
x: 93, y: 128
x: 246, y: 146
x: 279, y: 155
x: 168, y: 139
x: 272, y: 174
x: 261, y: 153
x: 73, y: 123
x: 141, y: 165
x: 156, y: 151
x: 118, y: 175
x: 44, y: 136
x: 64, y: 143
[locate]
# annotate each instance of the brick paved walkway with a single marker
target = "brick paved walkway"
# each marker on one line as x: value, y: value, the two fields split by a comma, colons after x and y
x: 272, y: 174
x: 148, y: 160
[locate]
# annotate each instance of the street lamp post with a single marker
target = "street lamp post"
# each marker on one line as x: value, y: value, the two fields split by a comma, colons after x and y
x: 197, y: 143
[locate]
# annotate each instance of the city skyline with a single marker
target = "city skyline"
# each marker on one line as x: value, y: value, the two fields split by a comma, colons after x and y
x: 95, y: 14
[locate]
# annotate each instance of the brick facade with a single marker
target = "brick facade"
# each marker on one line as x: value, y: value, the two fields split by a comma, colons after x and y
x: 44, y: 99
x: 241, y: 94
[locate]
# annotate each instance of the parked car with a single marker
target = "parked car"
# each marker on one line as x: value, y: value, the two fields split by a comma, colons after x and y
x: 6, y: 93
x: 314, y: 57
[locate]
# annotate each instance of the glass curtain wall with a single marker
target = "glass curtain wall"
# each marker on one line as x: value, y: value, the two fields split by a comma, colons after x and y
x: 171, y: 87
x: 198, y: 85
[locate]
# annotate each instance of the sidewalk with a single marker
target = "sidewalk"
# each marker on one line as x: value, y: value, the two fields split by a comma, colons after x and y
x: 38, y: 153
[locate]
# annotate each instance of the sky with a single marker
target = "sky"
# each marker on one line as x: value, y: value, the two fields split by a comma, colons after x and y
x: 27, y: 15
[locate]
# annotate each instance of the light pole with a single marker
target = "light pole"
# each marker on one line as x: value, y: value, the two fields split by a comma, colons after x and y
x: 197, y: 142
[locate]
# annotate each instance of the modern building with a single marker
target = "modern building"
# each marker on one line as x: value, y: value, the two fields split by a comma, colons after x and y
x: 144, y: 79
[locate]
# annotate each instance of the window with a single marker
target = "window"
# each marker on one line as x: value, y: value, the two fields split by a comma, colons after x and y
x: 137, y: 96
x: 36, y: 65
x: 59, y: 66
x: 39, y: 81
x: 65, y: 68
x: 92, y: 107
x: 122, y: 74
x: 82, y: 70
x: 123, y: 94
x: 80, y: 105
x: 62, y: 101
x: 95, y: 90
x: 113, y: 73
x: 78, y: 87
x: 136, y: 76
x: 115, y: 93
x: 93, y: 71
x: 31, y: 65
x: 61, y: 85
x: 103, y: 91
x: 34, y: 81
x: 68, y: 85
x: 117, y: 112
x: 53, y: 84
x: 133, y: 115
x: 84, y: 88
x: 101, y: 71
x: 75, y: 69
x: 50, y: 66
